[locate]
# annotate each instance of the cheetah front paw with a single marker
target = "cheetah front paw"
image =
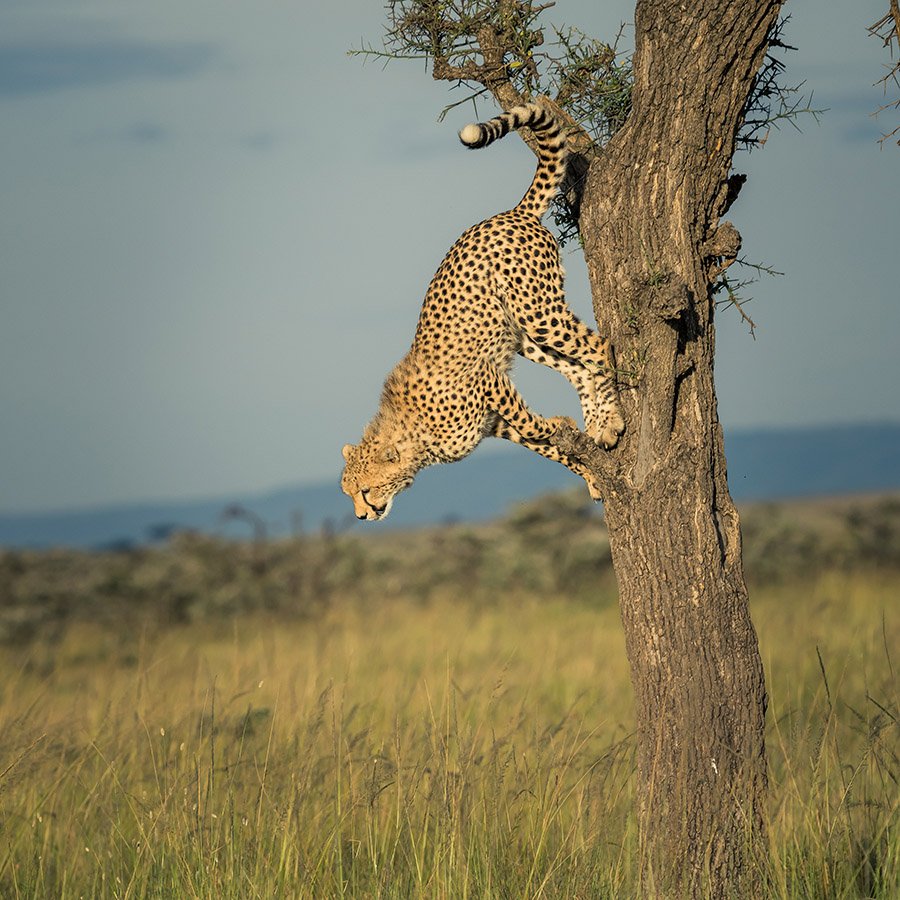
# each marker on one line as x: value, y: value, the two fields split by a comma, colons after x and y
x: 606, y: 432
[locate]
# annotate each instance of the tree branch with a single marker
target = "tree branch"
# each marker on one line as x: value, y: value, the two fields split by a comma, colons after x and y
x: 887, y: 29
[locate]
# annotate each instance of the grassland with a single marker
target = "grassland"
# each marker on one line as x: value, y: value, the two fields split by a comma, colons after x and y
x: 450, y: 737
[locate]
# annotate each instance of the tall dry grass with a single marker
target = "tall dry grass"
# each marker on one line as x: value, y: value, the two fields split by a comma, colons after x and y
x: 454, y: 748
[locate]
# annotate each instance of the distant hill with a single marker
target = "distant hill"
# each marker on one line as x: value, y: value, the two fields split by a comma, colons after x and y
x: 762, y: 464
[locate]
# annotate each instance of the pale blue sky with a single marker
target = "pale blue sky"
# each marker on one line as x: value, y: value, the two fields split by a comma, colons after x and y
x: 218, y: 229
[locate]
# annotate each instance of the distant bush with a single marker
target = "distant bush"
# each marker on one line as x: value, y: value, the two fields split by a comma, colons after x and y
x: 874, y: 532
x: 553, y: 546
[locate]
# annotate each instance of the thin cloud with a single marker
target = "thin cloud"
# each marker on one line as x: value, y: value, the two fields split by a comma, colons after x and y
x: 260, y: 141
x: 145, y: 133
x: 45, y: 67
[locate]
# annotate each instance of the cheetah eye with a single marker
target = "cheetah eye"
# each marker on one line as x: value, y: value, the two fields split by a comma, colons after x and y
x: 389, y: 455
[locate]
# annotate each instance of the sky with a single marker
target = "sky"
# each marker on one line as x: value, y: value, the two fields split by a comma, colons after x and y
x: 218, y: 228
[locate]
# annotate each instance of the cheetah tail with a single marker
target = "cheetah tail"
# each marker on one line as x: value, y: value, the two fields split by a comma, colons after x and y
x: 552, y: 149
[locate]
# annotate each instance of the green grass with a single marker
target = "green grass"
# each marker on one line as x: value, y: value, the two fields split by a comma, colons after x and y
x: 453, y: 748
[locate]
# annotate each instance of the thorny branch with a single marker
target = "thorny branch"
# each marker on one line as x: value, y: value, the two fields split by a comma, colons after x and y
x: 732, y: 288
x: 887, y: 30
x: 737, y: 302
x: 489, y: 44
x: 770, y: 102
x: 496, y: 47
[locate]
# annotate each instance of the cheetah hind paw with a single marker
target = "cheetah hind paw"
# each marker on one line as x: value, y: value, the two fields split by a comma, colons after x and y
x: 558, y: 422
x: 592, y: 486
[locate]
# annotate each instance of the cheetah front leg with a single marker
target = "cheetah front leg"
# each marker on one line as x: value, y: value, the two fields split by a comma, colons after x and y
x: 576, y: 374
x: 566, y: 344
x: 503, y: 429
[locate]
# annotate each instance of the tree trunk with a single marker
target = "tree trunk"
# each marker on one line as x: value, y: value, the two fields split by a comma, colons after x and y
x: 653, y: 242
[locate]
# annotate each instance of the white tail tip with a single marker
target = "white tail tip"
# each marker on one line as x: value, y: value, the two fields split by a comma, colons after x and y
x: 470, y: 134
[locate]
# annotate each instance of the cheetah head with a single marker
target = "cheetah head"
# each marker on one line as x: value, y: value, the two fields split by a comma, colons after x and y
x: 373, y: 475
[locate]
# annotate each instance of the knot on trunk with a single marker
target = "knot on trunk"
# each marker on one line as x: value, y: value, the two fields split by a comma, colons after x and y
x: 670, y: 301
x: 723, y: 244
x: 575, y: 443
x: 729, y: 191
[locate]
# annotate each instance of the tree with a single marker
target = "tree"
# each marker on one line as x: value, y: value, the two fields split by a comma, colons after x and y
x: 648, y: 184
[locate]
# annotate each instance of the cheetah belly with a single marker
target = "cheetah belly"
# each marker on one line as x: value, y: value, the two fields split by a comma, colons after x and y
x: 450, y: 409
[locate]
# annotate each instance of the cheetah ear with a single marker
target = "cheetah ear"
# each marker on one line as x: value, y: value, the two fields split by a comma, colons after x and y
x: 390, y: 454
x: 346, y: 450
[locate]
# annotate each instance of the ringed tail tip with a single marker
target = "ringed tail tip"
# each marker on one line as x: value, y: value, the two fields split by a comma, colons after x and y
x: 470, y: 134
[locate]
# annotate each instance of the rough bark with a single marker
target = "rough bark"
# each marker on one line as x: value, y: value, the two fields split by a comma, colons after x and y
x: 653, y: 241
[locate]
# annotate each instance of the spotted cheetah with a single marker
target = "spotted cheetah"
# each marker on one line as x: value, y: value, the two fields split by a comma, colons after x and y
x: 498, y: 292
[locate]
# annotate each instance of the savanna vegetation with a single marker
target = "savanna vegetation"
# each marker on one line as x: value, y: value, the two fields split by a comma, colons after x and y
x: 445, y: 713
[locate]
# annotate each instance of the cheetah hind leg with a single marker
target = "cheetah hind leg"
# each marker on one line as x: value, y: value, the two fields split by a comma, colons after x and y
x: 501, y: 397
x: 597, y: 393
x: 515, y: 422
x: 503, y: 429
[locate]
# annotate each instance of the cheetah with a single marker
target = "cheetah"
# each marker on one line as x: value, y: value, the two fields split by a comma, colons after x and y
x: 497, y: 293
